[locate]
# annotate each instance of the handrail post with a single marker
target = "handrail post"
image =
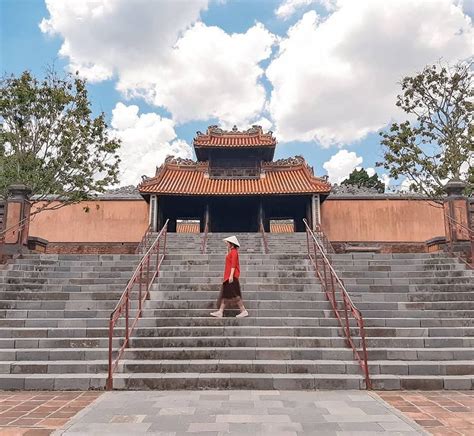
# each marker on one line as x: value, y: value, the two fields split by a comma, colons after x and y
x: 110, y: 382
x: 127, y: 310
x: 360, y: 322
x: 140, y: 284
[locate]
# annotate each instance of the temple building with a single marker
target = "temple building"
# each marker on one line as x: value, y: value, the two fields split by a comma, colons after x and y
x: 234, y: 186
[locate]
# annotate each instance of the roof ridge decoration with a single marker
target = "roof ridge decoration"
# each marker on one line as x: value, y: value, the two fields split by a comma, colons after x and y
x: 289, y: 161
x: 181, y: 161
x: 215, y: 130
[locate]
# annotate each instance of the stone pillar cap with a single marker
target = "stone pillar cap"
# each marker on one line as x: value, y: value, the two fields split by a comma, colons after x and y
x: 455, y: 187
x: 19, y: 190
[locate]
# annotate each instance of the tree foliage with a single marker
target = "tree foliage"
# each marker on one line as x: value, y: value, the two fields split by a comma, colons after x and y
x: 435, y: 144
x: 50, y: 141
x: 361, y: 178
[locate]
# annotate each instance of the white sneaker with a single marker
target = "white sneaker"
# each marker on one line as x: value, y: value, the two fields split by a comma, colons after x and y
x: 242, y: 314
x: 217, y: 314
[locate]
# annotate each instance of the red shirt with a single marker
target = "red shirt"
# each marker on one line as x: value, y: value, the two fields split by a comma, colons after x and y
x: 232, y: 261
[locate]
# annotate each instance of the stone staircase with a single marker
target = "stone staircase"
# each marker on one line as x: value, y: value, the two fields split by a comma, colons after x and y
x: 419, y: 317
x: 54, y: 313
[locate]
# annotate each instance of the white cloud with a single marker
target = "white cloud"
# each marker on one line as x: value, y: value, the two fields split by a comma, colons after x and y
x: 102, y: 37
x: 341, y: 164
x: 160, y: 50
x: 370, y: 171
x: 289, y: 7
x: 336, y: 80
x: 386, y: 180
x: 210, y: 74
x: 146, y: 140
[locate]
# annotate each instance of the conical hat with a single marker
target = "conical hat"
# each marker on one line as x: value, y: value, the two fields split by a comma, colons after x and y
x: 233, y: 240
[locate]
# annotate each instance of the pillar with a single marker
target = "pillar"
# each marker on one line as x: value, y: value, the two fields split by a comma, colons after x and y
x: 153, y: 213
x: 456, y: 208
x: 315, y: 211
x: 207, y: 217
x: 16, y: 221
x: 260, y: 214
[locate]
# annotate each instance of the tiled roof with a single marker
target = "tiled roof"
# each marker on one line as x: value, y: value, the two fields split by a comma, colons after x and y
x: 216, y: 137
x: 173, y: 179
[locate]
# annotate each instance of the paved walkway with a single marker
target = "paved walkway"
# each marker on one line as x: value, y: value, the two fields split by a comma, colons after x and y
x: 446, y: 413
x: 240, y: 413
x: 40, y: 413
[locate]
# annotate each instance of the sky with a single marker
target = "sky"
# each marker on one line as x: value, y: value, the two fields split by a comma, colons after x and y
x: 323, y: 75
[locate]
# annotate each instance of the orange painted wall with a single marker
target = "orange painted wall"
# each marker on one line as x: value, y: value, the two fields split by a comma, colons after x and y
x: 342, y: 220
x: 106, y: 221
x: 381, y: 220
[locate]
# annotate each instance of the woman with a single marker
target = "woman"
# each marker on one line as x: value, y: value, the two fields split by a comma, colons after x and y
x: 231, y: 287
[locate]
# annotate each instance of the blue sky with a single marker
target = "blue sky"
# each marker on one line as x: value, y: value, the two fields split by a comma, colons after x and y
x: 328, y: 85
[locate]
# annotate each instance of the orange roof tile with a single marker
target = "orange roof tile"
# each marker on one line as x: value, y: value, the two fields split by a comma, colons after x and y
x: 216, y: 137
x: 175, y: 179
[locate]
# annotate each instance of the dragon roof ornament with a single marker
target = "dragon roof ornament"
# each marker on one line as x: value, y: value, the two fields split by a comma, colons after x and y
x: 215, y: 130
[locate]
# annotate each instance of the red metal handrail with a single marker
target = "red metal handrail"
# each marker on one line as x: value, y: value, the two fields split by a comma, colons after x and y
x: 324, y: 240
x: 141, y: 248
x: 453, y: 225
x: 334, y: 288
x: 264, y: 236
x: 147, y: 270
x: 19, y: 226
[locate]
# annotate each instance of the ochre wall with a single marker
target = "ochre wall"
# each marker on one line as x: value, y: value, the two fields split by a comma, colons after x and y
x: 342, y: 220
x: 381, y: 220
x: 105, y: 221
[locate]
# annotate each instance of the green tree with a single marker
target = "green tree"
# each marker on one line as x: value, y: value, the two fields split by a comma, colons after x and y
x: 361, y: 178
x: 435, y: 144
x: 50, y: 141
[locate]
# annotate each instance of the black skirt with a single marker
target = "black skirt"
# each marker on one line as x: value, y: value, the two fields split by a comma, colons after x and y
x: 230, y: 292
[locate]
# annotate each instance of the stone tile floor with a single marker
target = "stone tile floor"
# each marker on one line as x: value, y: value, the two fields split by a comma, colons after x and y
x: 236, y: 412
x: 274, y: 413
x: 439, y: 412
x: 39, y: 413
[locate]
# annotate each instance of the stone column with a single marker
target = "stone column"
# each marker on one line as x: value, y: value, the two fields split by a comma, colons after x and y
x: 456, y: 208
x: 17, y: 213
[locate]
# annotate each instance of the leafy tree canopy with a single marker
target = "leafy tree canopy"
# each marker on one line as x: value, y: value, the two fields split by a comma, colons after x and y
x: 361, y: 178
x: 435, y: 144
x: 50, y: 142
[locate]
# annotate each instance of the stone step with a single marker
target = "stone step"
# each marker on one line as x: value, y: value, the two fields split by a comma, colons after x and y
x: 237, y: 353
x: 79, y: 270
x: 20, y: 287
x: 247, y: 287
x: 394, y: 275
x: 413, y: 297
x: 400, y: 269
x: 316, y: 295
x: 349, y: 282
x: 144, y: 381
x: 232, y: 321
x: 45, y: 295
x: 58, y: 304
x: 63, y: 281
x: 236, y: 330
x: 249, y: 304
x: 293, y: 353
x: 411, y: 288
x: 251, y: 274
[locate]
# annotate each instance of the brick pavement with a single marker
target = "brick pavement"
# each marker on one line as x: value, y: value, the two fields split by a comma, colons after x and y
x: 215, y: 413
x: 439, y: 412
x: 36, y: 413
